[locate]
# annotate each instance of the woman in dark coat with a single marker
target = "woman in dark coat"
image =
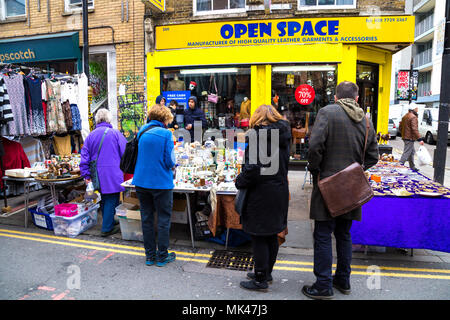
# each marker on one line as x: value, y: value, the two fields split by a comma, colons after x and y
x: 266, y: 208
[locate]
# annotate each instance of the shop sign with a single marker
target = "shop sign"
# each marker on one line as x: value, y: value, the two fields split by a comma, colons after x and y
x: 407, y: 84
x: 385, y: 29
x: 181, y: 97
x: 158, y: 4
x: 63, y: 46
x: 305, y: 94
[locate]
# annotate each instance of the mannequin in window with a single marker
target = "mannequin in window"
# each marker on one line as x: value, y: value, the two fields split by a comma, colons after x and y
x: 245, y: 110
x: 176, y: 84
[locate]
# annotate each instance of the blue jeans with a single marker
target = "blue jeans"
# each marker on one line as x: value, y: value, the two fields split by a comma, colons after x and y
x: 108, y: 206
x: 323, y: 255
x: 161, y: 202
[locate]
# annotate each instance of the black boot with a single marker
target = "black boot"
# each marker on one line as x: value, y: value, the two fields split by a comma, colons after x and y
x: 251, y: 276
x: 257, y: 284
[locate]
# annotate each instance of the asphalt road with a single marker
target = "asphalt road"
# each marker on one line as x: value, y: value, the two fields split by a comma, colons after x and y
x: 44, y: 267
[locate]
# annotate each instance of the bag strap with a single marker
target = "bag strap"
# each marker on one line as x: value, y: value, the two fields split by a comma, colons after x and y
x: 365, y: 139
x: 150, y: 127
x: 101, y: 143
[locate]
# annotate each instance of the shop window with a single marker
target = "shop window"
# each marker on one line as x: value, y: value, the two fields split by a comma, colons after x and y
x: 326, y: 4
x: 74, y: 5
x: 11, y: 8
x: 231, y: 86
x: 202, y: 7
x: 317, y: 84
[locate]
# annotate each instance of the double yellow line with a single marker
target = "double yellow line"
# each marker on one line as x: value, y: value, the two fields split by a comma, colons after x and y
x: 287, y: 265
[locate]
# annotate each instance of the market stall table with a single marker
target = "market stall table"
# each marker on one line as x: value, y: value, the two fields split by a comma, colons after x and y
x: 53, y: 183
x: 26, y: 188
x: 183, y: 190
x: 417, y: 217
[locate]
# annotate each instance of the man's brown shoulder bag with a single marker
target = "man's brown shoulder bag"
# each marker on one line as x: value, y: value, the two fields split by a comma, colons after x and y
x: 348, y: 189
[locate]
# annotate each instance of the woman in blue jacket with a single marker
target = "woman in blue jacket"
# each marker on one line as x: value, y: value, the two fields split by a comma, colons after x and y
x: 153, y: 178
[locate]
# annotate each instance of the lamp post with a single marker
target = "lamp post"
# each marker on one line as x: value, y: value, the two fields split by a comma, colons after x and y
x: 440, y: 153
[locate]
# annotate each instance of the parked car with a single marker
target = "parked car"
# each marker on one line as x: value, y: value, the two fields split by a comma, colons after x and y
x: 428, y: 125
x: 392, y: 129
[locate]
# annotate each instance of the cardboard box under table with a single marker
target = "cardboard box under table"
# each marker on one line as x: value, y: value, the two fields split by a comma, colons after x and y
x: 130, y: 218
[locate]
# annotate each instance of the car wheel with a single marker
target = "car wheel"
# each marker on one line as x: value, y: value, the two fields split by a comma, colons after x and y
x: 394, y: 137
x: 429, y: 138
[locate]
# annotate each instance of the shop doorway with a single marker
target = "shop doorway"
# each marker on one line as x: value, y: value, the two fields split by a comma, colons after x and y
x: 367, y: 81
x: 102, y: 69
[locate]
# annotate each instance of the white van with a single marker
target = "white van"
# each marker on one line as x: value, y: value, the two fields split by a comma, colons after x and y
x: 428, y: 125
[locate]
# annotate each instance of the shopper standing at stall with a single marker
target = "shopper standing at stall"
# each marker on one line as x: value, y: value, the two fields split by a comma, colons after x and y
x: 409, y: 128
x: 337, y: 140
x: 108, y: 166
x: 153, y: 178
x: 193, y: 114
x: 267, y: 201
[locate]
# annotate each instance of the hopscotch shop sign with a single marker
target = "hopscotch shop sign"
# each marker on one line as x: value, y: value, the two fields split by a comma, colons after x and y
x: 386, y: 29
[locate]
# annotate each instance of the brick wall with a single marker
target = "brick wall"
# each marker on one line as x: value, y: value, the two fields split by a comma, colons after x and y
x: 180, y: 11
x: 128, y: 35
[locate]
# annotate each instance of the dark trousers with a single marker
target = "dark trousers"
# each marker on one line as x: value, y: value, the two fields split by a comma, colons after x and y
x: 323, y: 256
x: 161, y: 202
x: 265, y: 250
x: 108, y: 206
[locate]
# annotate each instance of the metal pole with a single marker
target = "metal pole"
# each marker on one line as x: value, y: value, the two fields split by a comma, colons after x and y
x: 85, y: 39
x: 440, y: 153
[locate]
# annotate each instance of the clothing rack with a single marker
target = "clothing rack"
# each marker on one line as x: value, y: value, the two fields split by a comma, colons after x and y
x: 36, y: 71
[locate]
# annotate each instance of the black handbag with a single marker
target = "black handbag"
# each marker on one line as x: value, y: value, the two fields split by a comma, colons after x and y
x: 240, y: 200
x: 93, y: 165
x: 129, y: 157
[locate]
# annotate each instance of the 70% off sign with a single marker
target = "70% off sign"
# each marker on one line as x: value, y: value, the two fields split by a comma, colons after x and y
x: 304, y: 94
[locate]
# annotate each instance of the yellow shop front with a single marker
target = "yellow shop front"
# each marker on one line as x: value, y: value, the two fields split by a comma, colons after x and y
x: 293, y: 64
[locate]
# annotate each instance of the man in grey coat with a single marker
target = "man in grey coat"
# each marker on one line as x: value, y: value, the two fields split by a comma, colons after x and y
x: 337, y: 141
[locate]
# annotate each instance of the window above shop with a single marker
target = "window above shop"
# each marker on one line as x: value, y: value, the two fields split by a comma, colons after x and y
x: 209, y: 7
x: 326, y: 4
x: 77, y: 5
x: 11, y: 9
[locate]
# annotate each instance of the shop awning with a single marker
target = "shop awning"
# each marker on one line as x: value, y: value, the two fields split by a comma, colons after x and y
x: 52, y: 47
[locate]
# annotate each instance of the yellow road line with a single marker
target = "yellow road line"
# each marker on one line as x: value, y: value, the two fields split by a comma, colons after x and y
x: 120, y: 246
x: 95, y: 245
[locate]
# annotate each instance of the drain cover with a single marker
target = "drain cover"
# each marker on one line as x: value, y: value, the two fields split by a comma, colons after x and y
x: 233, y: 260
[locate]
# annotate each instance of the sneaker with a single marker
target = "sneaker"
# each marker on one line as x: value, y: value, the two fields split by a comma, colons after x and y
x: 170, y: 257
x: 251, y: 276
x: 255, y: 285
x: 150, y: 261
x: 114, y: 230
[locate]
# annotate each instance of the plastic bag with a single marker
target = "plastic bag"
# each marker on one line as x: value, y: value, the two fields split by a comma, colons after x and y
x: 423, y: 156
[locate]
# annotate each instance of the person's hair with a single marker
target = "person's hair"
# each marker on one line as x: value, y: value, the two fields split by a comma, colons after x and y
x: 264, y: 115
x: 160, y: 113
x: 103, y: 115
x: 347, y: 89
x: 173, y: 102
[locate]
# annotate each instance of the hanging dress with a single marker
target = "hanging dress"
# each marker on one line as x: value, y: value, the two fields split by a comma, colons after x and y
x: 55, y: 116
x: 37, y: 111
x: 16, y: 93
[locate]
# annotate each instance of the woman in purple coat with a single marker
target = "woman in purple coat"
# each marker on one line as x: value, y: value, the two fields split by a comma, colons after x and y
x: 108, y: 166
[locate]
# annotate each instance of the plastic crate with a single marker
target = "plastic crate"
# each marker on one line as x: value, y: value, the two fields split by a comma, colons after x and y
x: 73, y: 226
x: 201, y: 230
x: 66, y: 210
x: 131, y: 229
x: 41, y: 220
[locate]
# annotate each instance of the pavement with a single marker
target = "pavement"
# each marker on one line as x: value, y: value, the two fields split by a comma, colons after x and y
x: 299, y: 240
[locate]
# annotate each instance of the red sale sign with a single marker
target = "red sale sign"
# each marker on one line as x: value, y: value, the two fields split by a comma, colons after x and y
x: 304, y: 94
